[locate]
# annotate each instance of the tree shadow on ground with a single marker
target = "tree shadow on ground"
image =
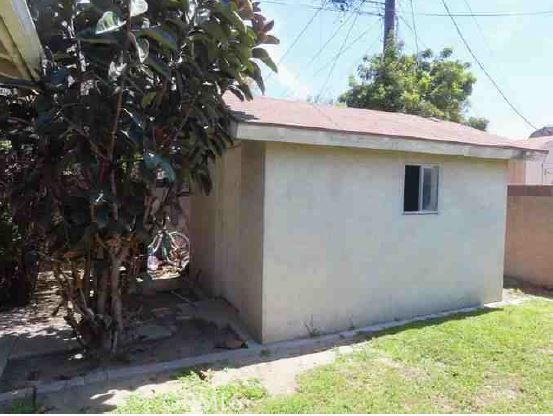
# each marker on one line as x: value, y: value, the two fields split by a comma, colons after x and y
x: 527, y: 288
x: 105, y: 397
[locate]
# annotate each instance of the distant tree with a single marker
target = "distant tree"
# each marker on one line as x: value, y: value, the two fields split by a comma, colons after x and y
x: 478, y: 123
x: 424, y: 84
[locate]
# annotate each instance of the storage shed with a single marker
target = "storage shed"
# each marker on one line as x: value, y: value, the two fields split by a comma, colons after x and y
x: 325, y: 218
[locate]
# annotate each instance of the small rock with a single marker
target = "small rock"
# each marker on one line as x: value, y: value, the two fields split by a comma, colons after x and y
x: 231, y: 344
x: 161, y: 312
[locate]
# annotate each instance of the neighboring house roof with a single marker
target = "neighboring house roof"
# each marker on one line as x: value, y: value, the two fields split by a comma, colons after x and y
x: 540, y: 142
x: 20, y: 48
x: 367, y: 124
x: 544, y: 131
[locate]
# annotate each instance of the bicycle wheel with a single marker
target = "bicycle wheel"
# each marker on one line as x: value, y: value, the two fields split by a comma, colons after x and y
x: 179, y: 254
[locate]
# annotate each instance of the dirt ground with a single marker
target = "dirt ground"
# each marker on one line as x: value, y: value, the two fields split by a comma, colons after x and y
x: 35, y: 327
x: 167, y: 327
x: 277, y: 374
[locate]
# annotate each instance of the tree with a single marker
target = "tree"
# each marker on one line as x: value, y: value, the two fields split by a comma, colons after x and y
x: 424, y: 84
x: 477, y: 123
x: 18, y: 241
x: 131, y: 93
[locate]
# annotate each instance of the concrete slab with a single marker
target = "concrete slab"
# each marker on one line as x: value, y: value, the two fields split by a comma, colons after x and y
x: 218, y: 311
x: 152, y: 332
x: 20, y: 394
x: 44, y: 343
x: 7, y: 343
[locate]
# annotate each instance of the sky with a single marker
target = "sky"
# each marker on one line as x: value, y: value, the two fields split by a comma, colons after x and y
x: 517, y: 51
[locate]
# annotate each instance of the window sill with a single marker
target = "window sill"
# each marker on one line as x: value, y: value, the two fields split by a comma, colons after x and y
x: 421, y: 212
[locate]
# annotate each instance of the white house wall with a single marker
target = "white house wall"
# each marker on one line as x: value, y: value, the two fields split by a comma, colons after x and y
x: 339, y: 252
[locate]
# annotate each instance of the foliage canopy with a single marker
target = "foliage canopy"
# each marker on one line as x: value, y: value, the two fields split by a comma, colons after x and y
x: 424, y: 84
x: 130, y: 98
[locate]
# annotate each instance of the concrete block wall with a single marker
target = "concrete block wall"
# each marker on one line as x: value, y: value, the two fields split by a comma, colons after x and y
x: 529, y: 234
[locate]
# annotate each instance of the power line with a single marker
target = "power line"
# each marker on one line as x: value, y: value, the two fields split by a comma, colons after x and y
x: 338, y: 55
x: 379, y: 38
x: 348, y: 47
x: 471, y: 14
x: 490, y: 14
x: 484, y: 69
x: 414, y: 26
x: 323, y: 8
x: 330, y: 39
x: 298, y: 37
x: 479, y: 27
x: 352, y: 43
x: 408, y: 25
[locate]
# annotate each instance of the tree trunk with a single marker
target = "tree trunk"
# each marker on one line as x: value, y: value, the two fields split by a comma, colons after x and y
x: 116, y: 304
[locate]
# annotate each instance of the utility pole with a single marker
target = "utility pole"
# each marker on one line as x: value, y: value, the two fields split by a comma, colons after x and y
x: 389, y: 23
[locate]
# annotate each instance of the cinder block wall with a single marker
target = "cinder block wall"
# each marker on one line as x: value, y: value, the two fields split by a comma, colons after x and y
x: 529, y: 234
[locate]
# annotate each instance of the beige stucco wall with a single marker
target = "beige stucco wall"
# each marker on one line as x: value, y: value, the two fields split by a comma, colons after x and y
x: 532, y: 172
x: 517, y: 172
x: 529, y: 238
x: 339, y: 252
x: 226, y: 232
x: 302, y: 237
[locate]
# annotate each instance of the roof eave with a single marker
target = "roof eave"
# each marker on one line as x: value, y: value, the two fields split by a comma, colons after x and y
x: 288, y: 134
x: 20, y: 39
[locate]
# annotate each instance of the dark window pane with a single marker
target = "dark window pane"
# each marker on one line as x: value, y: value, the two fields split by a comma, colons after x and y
x: 411, y: 188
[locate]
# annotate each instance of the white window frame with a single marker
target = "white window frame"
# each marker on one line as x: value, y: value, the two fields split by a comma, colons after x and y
x: 420, y: 211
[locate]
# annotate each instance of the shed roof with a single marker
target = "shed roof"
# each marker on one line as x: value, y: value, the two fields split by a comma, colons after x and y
x: 20, y: 48
x: 303, y: 115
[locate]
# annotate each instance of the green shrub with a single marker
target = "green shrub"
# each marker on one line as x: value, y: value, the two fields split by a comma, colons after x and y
x: 18, y: 269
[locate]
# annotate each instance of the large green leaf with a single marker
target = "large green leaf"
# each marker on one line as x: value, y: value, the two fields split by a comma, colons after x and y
x: 264, y: 57
x: 148, y: 98
x: 109, y: 22
x: 183, y: 5
x: 138, y: 7
x: 270, y: 40
x: 161, y: 36
x: 154, y: 161
x: 216, y: 30
x: 158, y: 66
x: 142, y: 48
x: 256, y: 75
x: 227, y: 13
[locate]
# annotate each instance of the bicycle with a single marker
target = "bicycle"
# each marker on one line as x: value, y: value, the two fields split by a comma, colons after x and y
x: 169, y: 247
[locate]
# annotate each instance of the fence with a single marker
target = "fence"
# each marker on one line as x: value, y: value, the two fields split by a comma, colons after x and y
x: 529, y: 235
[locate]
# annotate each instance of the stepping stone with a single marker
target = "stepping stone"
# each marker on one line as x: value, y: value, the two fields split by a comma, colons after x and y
x: 153, y: 332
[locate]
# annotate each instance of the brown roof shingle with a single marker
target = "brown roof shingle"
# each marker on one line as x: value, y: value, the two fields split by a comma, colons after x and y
x: 278, y: 112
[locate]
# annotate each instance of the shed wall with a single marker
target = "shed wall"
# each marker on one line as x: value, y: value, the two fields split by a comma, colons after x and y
x: 227, y: 232
x: 340, y: 253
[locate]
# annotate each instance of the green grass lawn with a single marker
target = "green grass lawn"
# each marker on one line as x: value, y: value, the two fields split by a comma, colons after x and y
x: 497, y: 361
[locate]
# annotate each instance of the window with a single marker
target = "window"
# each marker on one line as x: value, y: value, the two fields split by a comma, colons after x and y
x: 420, y: 192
